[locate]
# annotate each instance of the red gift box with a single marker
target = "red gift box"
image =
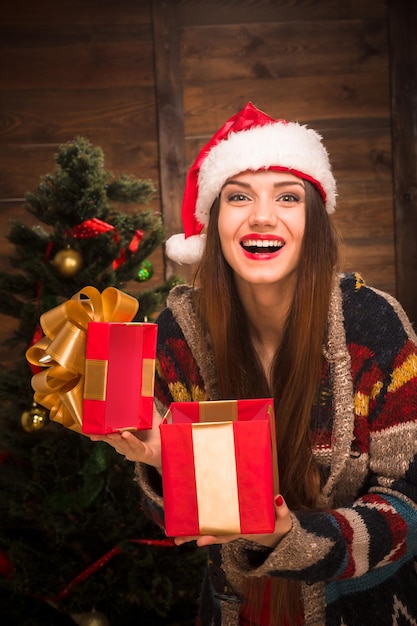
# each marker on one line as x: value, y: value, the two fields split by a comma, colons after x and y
x: 119, y: 377
x: 219, y: 467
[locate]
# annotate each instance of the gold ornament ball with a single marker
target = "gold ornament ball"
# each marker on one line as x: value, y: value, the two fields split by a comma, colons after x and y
x: 68, y: 262
x: 35, y: 419
x: 95, y: 618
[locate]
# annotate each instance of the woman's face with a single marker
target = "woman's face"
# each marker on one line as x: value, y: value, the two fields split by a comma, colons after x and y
x: 261, y: 225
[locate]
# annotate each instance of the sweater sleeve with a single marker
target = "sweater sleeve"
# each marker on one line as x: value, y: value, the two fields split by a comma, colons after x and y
x: 376, y: 530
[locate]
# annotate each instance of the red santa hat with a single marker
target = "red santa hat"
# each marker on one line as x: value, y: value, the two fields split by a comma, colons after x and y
x: 249, y: 140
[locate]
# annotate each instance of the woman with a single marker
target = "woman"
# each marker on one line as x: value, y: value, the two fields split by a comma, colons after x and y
x: 269, y: 316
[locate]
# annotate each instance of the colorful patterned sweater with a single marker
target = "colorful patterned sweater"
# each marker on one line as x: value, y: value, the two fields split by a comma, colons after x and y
x: 354, y: 556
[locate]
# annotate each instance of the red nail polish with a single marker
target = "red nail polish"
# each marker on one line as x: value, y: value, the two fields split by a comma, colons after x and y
x: 279, y: 500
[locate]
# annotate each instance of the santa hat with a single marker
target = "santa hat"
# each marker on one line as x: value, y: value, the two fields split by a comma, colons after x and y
x: 250, y: 140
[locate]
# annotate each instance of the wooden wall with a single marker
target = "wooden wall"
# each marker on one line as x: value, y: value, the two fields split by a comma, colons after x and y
x: 151, y: 80
x: 402, y: 27
x: 323, y: 63
x: 71, y: 68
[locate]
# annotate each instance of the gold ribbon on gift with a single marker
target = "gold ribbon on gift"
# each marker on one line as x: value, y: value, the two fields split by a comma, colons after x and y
x: 227, y: 411
x: 148, y: 378
x: 218, y: 411
x: 61, y: 351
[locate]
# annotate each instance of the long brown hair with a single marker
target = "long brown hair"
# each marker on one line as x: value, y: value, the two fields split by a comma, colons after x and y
x: 296, y: 367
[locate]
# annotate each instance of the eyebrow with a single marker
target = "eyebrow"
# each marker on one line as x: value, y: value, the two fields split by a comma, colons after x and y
x: 283, y: 183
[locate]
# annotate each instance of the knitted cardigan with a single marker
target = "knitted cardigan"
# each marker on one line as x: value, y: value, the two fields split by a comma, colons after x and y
x: 354, y: 555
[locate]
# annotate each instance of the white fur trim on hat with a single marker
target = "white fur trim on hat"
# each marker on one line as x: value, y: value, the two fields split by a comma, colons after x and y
x: 185, y: 250
x: 281, y: 144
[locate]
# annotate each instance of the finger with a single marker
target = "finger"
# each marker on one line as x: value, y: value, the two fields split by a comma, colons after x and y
x: 208, y: 540
x: 179, y: 541
x: 281, y: 508
x: 283, y: 517
x: 142, y: 451
x: 202, y: 540
x: 124, y: 443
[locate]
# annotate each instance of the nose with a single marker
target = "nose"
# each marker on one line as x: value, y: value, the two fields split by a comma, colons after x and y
x: 264, y: 213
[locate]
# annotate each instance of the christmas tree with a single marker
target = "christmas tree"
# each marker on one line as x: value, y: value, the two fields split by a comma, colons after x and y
x: 75, y: 547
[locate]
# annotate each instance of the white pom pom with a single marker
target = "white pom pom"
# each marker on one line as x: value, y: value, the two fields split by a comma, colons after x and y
x: 185, y: 250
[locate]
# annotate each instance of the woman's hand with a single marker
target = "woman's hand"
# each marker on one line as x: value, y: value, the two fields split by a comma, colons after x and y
x: 282, y: 527
x: 143, y: 446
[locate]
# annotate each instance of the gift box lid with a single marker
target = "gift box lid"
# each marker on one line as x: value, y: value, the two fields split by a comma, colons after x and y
x: 220, y: 411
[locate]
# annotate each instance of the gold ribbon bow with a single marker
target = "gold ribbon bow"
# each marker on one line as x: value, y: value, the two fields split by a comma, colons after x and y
x: 60, y: 387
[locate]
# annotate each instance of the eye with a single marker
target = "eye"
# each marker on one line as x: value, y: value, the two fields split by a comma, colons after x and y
x: 237, y: 196
x: 288, y: 197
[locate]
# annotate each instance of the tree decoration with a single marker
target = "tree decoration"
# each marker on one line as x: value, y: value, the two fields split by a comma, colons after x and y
x: 93, y: 618
x: 34, y: 419
x: 145, y: 271
x: 68, y: 262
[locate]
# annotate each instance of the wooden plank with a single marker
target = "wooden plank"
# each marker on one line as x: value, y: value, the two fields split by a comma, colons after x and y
x: 319, y: 98
x: 40, y: 64
x: 68, y: 69
x: 201, y: 12
x: 366, y: 213
x: 76, y: 12
x: 76, y: 70
x: 376, y: 262
x: 51, y: 116
x: 283, y: 49
x: 22, y: 165
x: 361, y: 151
x: 403, y: 48
x: 168, y: 83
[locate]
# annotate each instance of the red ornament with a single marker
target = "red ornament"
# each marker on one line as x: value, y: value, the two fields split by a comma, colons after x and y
x: 92, y: 228
x: 133, y: 246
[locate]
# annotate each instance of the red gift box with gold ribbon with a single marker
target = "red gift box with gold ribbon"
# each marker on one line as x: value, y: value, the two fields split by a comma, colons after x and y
x: 119, y: 377
x: 96, y: 365
x: 219, y: 467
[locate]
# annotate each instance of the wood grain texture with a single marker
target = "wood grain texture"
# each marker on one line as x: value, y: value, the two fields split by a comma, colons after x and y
x: 403, y: 47
x: 219, y: 12
x: 169, y: 93
x: 318, y: 100
x: 283, y: 49
x: 151, y: 80
x: 68, y: 69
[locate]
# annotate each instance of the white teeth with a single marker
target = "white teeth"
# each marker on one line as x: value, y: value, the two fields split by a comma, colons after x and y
x: 263, y: 243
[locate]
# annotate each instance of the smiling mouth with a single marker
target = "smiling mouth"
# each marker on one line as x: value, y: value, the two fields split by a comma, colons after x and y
x: 262, y: 246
